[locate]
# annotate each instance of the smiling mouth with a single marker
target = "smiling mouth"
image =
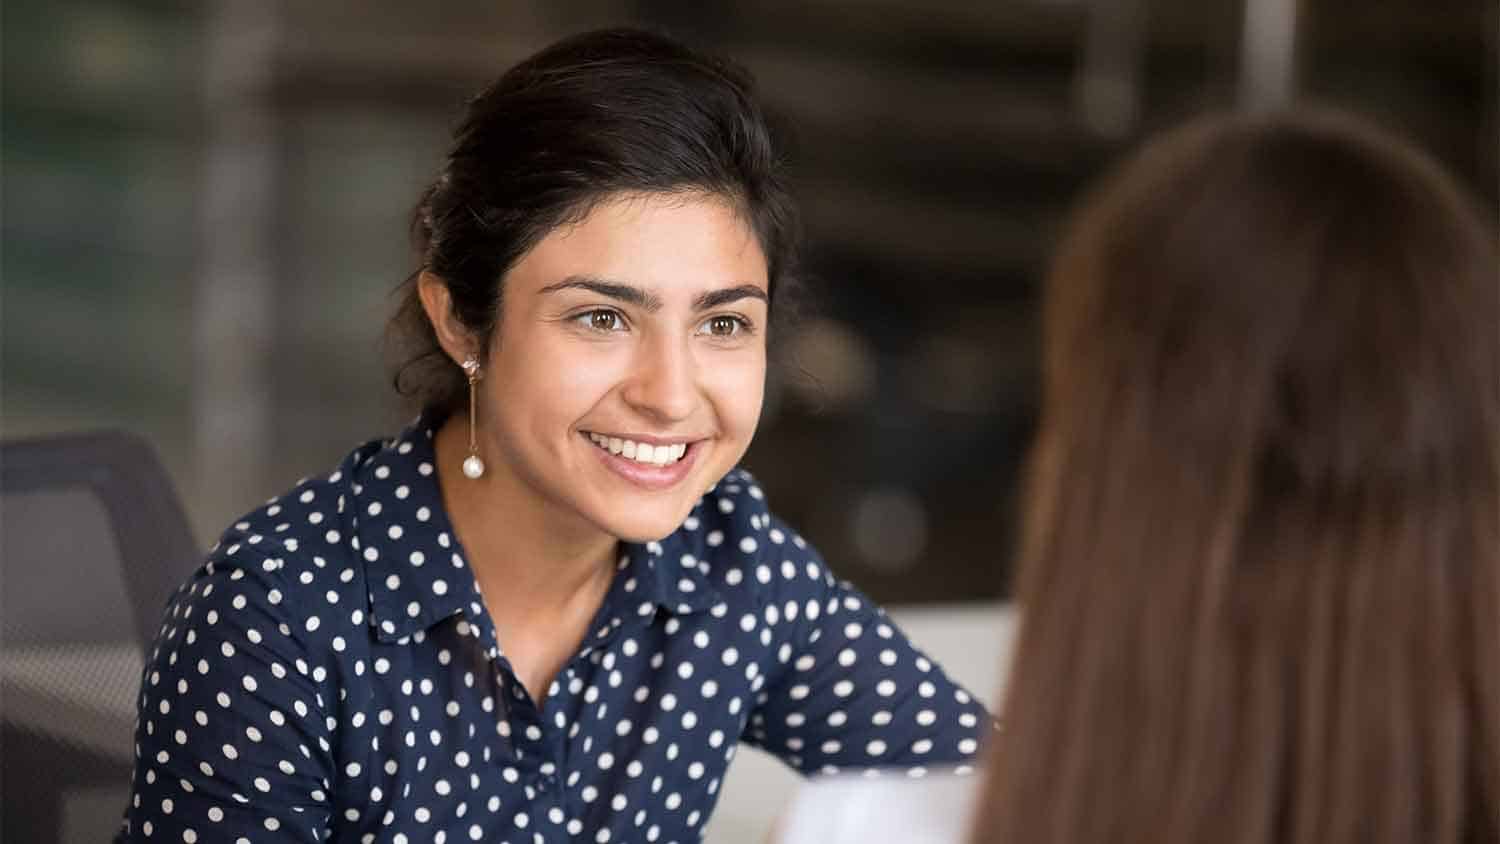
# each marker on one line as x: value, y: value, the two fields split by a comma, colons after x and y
x: 643, y: 453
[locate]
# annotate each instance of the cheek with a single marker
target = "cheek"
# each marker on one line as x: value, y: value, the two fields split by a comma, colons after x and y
x: 578, y: 381
x: 559, y: 381
x: 737, y: 390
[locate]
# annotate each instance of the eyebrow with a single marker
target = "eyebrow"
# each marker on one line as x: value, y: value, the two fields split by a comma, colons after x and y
x: 719, y: 298
x: 642, y: 298
x: 612, y: 289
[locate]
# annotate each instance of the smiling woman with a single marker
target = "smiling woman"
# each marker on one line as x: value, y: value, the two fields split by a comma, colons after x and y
x: 552, y: 608
x: 639, y: 324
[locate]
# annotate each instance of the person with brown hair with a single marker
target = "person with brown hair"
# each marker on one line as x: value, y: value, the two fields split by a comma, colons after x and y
x: 1260, y: 571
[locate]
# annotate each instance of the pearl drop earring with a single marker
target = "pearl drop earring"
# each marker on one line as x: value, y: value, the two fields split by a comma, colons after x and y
x: 473, y: 466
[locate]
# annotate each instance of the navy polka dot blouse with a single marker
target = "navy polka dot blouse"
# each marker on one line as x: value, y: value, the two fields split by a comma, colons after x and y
x: 331, y: 674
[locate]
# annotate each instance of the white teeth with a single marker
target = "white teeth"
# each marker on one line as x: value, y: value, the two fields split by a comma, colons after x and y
x: 654, y: 455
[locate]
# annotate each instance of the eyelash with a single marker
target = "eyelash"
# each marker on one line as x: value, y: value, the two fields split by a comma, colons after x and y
x: 585, y: 320
x: 742, y: 326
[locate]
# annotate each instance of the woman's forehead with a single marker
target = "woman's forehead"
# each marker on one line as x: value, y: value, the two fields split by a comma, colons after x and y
x: 670, y: 246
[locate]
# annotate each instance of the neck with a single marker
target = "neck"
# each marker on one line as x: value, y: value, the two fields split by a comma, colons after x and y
x: 544, y: 561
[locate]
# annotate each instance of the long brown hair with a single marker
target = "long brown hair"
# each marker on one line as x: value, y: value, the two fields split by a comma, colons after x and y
x: 1259, y: 570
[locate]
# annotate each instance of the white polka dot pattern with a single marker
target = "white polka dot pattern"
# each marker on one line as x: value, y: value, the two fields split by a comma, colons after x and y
x: 330, y: 674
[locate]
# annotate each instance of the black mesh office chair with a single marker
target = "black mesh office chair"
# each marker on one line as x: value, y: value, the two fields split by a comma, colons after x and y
x: 92, y: 543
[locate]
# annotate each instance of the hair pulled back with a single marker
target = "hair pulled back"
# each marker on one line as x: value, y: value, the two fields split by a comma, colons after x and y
x: 590, y: 118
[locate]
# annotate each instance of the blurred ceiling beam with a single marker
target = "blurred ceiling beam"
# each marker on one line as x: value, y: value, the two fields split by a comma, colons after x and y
x: 234, y: 308
x: 1107, y: 92
x: 1268, y: 54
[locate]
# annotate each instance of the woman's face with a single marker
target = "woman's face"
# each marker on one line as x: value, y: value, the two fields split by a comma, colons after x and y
x: 628, y: 368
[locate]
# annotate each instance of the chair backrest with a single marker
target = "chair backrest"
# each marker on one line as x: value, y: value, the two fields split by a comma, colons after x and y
x: 93, y: 542
x: 94, y: 539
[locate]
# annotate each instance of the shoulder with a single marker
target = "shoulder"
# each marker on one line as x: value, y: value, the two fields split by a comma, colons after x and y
x: 746, y: 551
x: 285, y: 556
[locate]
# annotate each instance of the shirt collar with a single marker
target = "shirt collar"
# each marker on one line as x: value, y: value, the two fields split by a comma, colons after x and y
x: 419, y: 576
x: 676, y: 580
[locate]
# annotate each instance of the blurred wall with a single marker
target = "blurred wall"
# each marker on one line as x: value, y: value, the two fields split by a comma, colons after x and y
x: 205, y: 209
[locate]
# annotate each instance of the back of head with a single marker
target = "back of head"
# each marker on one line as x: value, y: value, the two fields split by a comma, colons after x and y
x: 1261, y: 569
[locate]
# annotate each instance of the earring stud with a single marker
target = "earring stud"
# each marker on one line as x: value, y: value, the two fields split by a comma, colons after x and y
x: 473, y: 466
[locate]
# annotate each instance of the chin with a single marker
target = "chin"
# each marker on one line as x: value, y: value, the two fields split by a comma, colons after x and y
x: 646, y: 524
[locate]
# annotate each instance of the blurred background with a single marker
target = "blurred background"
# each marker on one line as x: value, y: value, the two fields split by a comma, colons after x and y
x: 205, y: 210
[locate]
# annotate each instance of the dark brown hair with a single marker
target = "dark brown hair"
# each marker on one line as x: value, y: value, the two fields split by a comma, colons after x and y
x: 594, y: 116
x: 1259, y: 568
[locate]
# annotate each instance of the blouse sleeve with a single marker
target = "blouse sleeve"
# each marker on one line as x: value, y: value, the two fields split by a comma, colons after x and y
x: 855, y: 692
x: 232, y: 738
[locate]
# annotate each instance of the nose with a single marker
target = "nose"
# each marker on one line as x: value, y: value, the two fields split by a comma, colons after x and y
x: 663, y: 382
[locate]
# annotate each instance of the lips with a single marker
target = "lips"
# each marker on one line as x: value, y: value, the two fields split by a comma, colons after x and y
x: 651, y: 466
x: 641, y: 452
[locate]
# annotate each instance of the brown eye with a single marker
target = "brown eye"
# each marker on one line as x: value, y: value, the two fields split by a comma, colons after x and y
x: 723, y: 326
x: 604, y: 320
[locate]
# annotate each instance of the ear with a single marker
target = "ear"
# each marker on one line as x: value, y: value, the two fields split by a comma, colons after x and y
x: 455, y: 338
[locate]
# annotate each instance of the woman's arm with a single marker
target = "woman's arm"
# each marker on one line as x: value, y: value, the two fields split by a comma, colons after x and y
x: 855, y: 692
x: 232, y: 736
